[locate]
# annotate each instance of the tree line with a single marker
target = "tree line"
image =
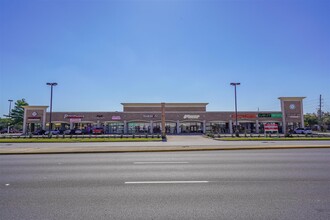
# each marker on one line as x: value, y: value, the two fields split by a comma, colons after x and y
x: 14, y: 119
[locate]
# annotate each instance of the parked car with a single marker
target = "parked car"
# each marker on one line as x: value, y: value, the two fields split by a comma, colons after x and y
x: 68, y: 131
x: 39, y: 132
x: 98, y: 131
x: 53, y: 132
x: 5, y: 130
x: 73, y: 131
x: 78, y: 131
x: 302, y: 131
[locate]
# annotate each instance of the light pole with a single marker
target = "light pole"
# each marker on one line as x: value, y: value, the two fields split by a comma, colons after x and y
x: 10, y: 101
x: 236, y: 84
x: 51, y: 104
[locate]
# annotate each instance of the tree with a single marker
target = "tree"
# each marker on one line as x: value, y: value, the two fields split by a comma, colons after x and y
x: 326, y: 120
x: 311, y: 119
x: 4, y: 122
x: 17, y: 113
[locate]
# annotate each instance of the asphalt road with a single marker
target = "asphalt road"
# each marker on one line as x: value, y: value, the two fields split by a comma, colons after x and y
x: 263, y: 184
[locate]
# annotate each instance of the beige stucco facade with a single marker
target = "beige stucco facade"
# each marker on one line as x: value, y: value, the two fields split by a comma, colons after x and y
x: 179, y: 117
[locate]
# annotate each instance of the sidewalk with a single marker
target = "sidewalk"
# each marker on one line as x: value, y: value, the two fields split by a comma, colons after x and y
x: 174, y: 143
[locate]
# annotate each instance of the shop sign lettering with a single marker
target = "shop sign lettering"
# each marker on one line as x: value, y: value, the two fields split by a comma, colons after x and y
x: 191, y: 116
x: 116, y: 118
x: 73, y: 116
x: 270, y: 115
x: 271, y: 127
x: 34, y: 118
x: 149, y: 116
x: 244, y: 116
x: 75, y: 120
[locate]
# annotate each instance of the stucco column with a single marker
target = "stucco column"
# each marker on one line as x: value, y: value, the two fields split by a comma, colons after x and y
x: 231, y: 126
x: 24, y: 122
x: 44, y: 120
x: 204, y: 127
x: 125, y: 127
x: 283, y: 117
x: 302, y: 114
x: 178, y: 127
x: 151, y: 127
x: 257, y: 126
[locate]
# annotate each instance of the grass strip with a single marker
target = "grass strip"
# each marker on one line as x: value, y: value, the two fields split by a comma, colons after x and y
x: 75, y: 140
x: 275, y: 139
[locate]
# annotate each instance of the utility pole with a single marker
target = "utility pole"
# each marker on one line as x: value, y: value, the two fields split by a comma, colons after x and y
x: 9, y: 115
x: 320, y: 112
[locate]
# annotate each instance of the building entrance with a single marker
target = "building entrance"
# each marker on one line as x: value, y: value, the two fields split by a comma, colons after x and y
x: 191, y: 127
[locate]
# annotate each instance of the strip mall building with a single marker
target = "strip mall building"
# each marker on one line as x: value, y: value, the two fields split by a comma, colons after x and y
x: 180, y: 118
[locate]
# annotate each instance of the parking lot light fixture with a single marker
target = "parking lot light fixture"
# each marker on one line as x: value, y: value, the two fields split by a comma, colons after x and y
x: 236, y: 84
x: 51, y: 104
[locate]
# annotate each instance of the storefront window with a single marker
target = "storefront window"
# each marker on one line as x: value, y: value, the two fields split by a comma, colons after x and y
x: 170, y: 128
x: 139, y: 128
x: 191, y: 127
x: 217, y: 127
x: 115, y: 128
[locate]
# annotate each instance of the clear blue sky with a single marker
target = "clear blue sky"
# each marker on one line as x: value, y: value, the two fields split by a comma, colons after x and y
x: 103, y: 52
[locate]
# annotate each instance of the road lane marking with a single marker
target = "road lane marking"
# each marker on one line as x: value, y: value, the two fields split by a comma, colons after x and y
x: 164, y: 162
x: 7, y: 184
x: 165, y: 182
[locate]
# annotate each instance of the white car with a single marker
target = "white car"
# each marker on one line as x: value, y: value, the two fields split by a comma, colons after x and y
x: 302, y: 131
x: 53, y: 132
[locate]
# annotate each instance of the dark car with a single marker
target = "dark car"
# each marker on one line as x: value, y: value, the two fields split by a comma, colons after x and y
x: 39, y: 132
x: 2, y: 131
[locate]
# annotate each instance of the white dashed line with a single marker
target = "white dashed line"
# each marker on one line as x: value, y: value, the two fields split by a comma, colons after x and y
x: 165, y: 182
x: 164, y: 162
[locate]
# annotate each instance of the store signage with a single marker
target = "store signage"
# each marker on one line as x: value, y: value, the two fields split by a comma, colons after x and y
x: 75, y: 120
x: 191, y: 116
x: 270, y: 115
x: 294, y: 116
x: 34, y: 118
x: 271, y: 127
x: 99, y: 116
x: 34, y: 114
x: 292, y: 106
x: 150, y: 116
x: 73, y: 116
x: 244, y: 116
x: 116, y: 118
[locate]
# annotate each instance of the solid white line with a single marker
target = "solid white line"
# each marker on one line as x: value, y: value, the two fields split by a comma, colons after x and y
x: 164, y: 162
x: 165, y: 182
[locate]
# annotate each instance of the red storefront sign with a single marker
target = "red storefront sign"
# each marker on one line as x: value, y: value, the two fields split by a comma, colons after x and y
x: 244, y: 116
x: 271, y: 127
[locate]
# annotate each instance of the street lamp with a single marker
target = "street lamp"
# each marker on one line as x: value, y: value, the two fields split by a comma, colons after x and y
x: 10, y: 101
x: 236, y: 84
x: 51, y: 104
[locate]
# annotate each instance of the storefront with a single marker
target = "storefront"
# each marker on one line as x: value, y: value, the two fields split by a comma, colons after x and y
x: 180, y: 118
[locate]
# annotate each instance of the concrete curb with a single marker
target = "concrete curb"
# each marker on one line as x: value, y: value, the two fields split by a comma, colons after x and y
x: 80, y: 150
